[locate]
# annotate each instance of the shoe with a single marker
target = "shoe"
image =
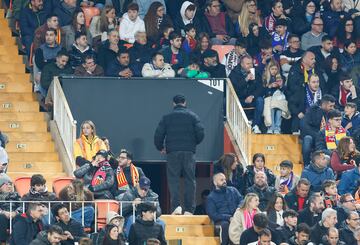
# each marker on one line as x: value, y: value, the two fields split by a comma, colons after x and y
x: 256, y: 129
x: 296, y: 133
x: 276, y: 131
x: 187, y: 213
x: 269, y: 131
x: 177, y: 211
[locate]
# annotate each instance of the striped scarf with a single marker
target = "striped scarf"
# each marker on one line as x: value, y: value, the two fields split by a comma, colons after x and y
x: 332, y: 137
x: 100, y: 174
x: 121, y: 178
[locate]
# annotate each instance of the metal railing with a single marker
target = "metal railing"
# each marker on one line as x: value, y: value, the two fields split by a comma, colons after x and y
x: 64, y: 119
x: 238, y: 122
x: 95, y: 204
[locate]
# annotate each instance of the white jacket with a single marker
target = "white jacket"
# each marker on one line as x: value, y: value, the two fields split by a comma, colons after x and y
x: 128, y: 28
x: 149, y: 70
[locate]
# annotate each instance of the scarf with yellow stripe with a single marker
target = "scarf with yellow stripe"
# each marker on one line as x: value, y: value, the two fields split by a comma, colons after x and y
x: 121, y: 178
x: 332, y: 137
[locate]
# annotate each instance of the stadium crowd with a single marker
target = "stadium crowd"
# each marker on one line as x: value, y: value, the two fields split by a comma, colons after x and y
x: 295, y: 61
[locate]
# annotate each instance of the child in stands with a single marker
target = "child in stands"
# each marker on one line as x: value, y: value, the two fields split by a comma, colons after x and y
x: 164, y: 41
x: 190, y: 42
x: 287, y: 179
x: 331, y: 197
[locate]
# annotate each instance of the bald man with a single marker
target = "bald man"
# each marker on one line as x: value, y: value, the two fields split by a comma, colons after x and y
x: 262, y: 189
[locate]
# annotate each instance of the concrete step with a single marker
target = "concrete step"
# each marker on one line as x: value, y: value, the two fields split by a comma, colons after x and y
x: 30, y: 146
x: 276, y: 149
x: 276, y: 168
x: 13, y: 87
x: 29, y: 136
x: 11, y: 50
x: 14, y: 59
x: 198, y: 240
x: 274, y: 138
x: 23, y: 126
x: 22, y: 116
x: 18, y: 96
x: 12, y: 68
x: 7, y: 40
x: 19, y: 106
x: 14, y: 78
x: 186, y: 219
x: 33, y: 156
x: 180, y: 231
x: 32, y: 166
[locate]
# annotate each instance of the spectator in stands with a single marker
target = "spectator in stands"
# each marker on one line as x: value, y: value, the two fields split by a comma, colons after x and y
x: 328, y: 138
x: 247, y: 16
x: 109, y: 49
x: 222, y: 203
x: 347, y: 204
x: 98, y: 175
x: 265, y: 55
x: 218, y: 24
x: 203, y: 44
x: 262, y: 189
x: 287, y: 180
x: 89, y: 68
x: 345, y: 32
x: 52, y: 22
x: 350, y: 58
x: 60, y: 66
x: 211, y: 65
x: 324, y: 50
x: 73, y: 230
x: 314, y: 120
x: 251, y: 235
x: 31, y: 17
x: 328, y: 220
x: 311, y: 215
x: 344, y: 157
x: 175, y: 55
x: 243, y: 217
x: 4, y: 160
x: 351, y: 223
x: 280, y: 36
x: 258, y: 165
x: 189, y: 42
x: 39, y: 192
x: 180, y: 130
x: 351, y: 118
x: 80, y: 49
x: 111, y: 235
x: 277, y: 12
x: 264, y: 238
x: 141, y: 50
x: 187, y: 16
x: 112, y: 218
x: 349, y: 180
x: 54, y: 235
x: 7, y: 193
x: 291, y: 55
x: 248, y: 88
x: 122, y: 66
x: 27, y: 226
x: 157, y: 68
x: 145, y: 6
x: 76, y: 193
x: 164, y: 41
x: 314, y: 36
x: 139, y: 194
x: 333, y: 16
x: 287, y: 230
x: 88, y: 144
x: 297, y: 198
x: 201, y: 208
x: 77, y: 25
x: 101, y: 25
x: 303, y: 17
x: 302, y: 235
x: 65, y: 10
x: 233, y: 170
x: 318, y: 171
x: 232, y: 59
x: 131, y: 23
x: 127, y: 175
x: 155, y: 19
x: 329, y: 190
x: 275, y: 210
x: 193, y: 70
x: 145, y: 227
x: 255, y: 37
x: 85, y: 241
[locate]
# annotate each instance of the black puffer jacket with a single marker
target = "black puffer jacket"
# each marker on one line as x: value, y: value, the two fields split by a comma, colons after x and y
x: 250, y: 174
x: 312, y: 121
x: 265, y: 195
x: 142, y: 230
x: 181, y: 129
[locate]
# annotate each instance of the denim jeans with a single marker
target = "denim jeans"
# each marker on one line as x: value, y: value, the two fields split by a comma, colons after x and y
x: 276, y: 119
x: 130, y: 220
x: 307, y: 148
x: 224, y: 231
x: 89, y: 213
x: 259, y: 108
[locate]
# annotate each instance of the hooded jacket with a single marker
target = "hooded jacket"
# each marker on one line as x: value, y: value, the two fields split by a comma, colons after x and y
x: 181, y: 20
x: 317, y: 176
x: 87, y: 149
x: 142, y: 230
x: 128, y: 28
x: 312, y: 121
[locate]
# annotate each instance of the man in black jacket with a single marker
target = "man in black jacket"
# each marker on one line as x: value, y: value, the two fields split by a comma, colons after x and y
x: 288, y: 229
x: 347, y: 231
x: 297, y: 199
x: 182, y: 131
x: 52, y: 236
x: 73, y: 230
x: 312, y: 214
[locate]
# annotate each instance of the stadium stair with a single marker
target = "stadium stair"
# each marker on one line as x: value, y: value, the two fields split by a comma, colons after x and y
x: 31, y: 149
x: 190, y: 229
x: 276, y: 148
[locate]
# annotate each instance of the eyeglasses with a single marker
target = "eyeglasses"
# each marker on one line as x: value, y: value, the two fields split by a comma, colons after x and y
x: 337, y: 119
x: 352, y: 200
x: 356, y: 219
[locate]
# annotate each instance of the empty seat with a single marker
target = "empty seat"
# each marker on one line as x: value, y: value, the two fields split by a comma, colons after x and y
x: 103, y: 207
x: 89, y: 13
x: 22, y: 185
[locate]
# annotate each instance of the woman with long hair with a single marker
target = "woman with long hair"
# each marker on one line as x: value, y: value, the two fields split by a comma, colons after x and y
x: 258, y: 164
x: 344, y: 157
x: 350, y: 57
x: 248, y: 15
x: 100, y: 25
x: 345, y: 32
x: 112, y: 236
x: 202, y: 45
x: 88, y: 144
x: 275, y: 210
x: 155, y: 19
x: 233, y: 170
x: 332, y: 70
x: 244, y: 217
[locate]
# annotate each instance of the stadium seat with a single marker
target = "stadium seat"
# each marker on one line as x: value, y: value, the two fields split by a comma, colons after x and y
x: 22, y: 185
x: 60, y: 183
x: 103, y: 207
x: 222, y: 50
x: 90, y: 12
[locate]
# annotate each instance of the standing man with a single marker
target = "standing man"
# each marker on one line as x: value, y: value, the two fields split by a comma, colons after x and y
x: 182, y: 131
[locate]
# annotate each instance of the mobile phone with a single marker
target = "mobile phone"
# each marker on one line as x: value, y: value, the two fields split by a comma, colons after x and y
x: 252, y: 71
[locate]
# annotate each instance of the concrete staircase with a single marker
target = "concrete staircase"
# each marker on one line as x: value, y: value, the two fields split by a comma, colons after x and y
x: 190, y: 229
x: 277, y: 148
x: 31, y: 149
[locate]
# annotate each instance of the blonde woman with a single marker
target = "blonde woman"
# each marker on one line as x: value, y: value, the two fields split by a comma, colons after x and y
x: 100, y: 25
x: 247, y: 16
x: 88, y: 143
x: 243, y: 217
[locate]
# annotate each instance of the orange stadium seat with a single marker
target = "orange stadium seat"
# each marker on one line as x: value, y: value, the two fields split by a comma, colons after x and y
x: 59, y: 183
x: 103, y: 207
x: 90, y: 12
x: 22, y: 185
x: 222, y: 50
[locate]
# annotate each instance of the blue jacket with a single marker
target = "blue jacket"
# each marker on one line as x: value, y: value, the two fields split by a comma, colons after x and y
x: 30, y: 20
x: 355, y: 121
x: 317, y: 176
x: 349, y: 181
x: 332, y: 21
x: 222, y: 204
x: 114, y: 68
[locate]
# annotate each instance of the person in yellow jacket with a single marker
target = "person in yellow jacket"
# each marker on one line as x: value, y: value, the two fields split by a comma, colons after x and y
x: 88, y: 144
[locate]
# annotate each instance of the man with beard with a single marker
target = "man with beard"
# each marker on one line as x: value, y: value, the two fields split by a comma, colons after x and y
x: 262, y: 189
x: 174, y: 55
x: 211, y: 65
x: 122, y: 66
x: 221, y: 204
x: 312, y: 214
x: 324, y: 50
x: 302, y: 235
